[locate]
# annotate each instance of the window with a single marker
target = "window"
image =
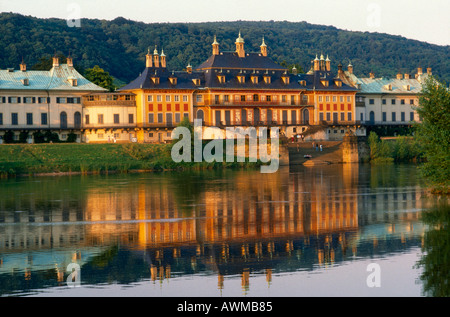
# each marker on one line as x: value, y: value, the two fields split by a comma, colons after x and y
x: 1, y: 118
x: 86, y: 119
x: 343, y: 116
x: 29, y: 118
x: 43, y: 100
x: 168, y: 98
x: 349, y: 116
x: 176, y: 98
x: 13, y: 99
x: 100, y: 119
x: 411, y: 101
x: 384, y: 116
x: 402, y: 101
x: 283, y: 98
x: 177, y: 117
x: 320, y: 99
x: 185, y: 98
x: 29, y: 100
x: 327, y: 98
x: 226, y: 98
x: 199, y: 98
x: 14, y: 118
x: 328, y: 116
x: 151, y: 118
x: 392, y: 101
x: 242, y: 97
x: 216, y: 99
x: 371, y: 101
x: 321, y: 116
x: 160, y: 118
x: 268, y: 98
x: 61, y: 100
x: 393, y: 116
x: 402, y: 116
x: 130, y: 118
x: 100, y: 135
x: 341, y: 98
x: 159, y: 98
x: 349, y: 98
x: 383, y: 101
x: 411, y: 116
x: 255, y: 97
x: 150, y: 98
x: 116, y: 118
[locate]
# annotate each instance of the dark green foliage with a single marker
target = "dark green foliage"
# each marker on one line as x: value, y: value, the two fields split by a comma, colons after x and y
x: 434, y: 134
x: 119, y: 46
x: 100, y: 77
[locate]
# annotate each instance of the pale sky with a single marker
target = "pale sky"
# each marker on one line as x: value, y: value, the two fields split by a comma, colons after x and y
x: 414, y: 19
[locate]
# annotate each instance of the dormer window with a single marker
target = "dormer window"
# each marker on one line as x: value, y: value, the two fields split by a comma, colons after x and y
x: 302, y: 82
x: 221, y: 79
x: 267, y: 79
x: 285, y: 80
x: 254, y: 79
x: 25, y: 82
x: 196, y: 81
x: 155, y: 80
x: 338, y: 83
x: 241, y: 79
x: 407, y: 87
x: 72, y: 81
x: 388, y: 87
x: 324, y: 83
x: 173, y: 80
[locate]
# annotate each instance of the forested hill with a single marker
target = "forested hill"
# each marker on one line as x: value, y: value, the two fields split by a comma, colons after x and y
x: 119, y: 46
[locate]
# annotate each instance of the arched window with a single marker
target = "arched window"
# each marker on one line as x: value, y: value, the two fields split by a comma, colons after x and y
x: 77, y: 120
x: 372, y: 117
x: 305, y: 116
x: 63, y: 120
x: 200, y: 115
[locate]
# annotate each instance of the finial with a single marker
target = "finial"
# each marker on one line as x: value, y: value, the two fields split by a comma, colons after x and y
x: 263, y: 43
x: 155, y: 52
x: 215, y: 40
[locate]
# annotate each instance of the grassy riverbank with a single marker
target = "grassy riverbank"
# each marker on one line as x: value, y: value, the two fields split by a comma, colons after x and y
x: 32, y: 159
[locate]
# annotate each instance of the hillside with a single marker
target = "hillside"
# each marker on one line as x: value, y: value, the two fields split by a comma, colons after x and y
x: 119, y: 46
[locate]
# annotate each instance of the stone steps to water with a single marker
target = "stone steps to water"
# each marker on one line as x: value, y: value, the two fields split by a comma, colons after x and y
x: 331, y: 153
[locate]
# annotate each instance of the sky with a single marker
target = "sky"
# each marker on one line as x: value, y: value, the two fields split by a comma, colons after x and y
x: 421, y: 20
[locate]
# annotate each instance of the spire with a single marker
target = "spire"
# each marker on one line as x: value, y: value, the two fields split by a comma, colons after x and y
x: 155, y: 52
x: 215, y: 46
x: 240, y: 39
x: 263, y: 48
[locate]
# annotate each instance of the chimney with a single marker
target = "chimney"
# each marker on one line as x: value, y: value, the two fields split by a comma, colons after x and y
x: 328, y: 64
x: 399, y: 76
x: 419, y: 71
x: 69, y: 61
x: 372, y: 75
x: 429, y: 71
x: 407, y: 76
x: 350, y: 68
x: 55, y: 61
x: 189, y: 68
x: 148, y: 59
x: 23, y: 66
x: 339, y: 69
x: 163, y: 59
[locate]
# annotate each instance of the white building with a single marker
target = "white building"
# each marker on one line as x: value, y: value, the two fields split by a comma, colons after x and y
x: 32, y: 101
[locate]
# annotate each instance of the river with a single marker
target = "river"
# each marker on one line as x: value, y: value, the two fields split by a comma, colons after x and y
x: 335, y: 230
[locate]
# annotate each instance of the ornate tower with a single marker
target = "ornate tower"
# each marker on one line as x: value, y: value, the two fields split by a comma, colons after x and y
x: 263, y: 48
x: 215, y: 46
x: 148, y: 59
x: 240, y: 46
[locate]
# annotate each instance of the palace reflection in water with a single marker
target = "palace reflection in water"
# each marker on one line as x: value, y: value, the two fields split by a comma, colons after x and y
x: 130, y: 228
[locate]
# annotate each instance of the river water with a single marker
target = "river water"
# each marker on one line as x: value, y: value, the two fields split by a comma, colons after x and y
x: 335, y: 230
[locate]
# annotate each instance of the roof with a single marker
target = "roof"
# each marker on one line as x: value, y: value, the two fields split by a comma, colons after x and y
x: 56, y: 78
x: 315, y: 81
x: 144, y: 80
x: 232, y: 60
x: 381, y: 85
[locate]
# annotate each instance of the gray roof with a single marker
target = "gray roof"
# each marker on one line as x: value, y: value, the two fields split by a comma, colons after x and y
x: 56, y: 78
x: 398, y: 86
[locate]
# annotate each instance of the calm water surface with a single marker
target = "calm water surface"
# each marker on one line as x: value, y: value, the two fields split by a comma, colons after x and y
x: 298, y: 232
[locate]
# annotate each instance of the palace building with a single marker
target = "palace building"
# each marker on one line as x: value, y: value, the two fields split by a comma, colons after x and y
x: 40, y: 101
x: 238, y: 89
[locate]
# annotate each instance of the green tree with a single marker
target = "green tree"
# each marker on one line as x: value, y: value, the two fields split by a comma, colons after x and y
x: 433, y: 134
x: 380, y: 151
x: 100, y: 77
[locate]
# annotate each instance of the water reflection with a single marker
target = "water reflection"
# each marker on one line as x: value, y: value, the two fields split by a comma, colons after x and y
x: 129, y: 228
x: 436, y: 246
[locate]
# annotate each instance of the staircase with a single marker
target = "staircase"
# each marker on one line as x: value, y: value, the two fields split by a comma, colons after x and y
x: 331, y: 153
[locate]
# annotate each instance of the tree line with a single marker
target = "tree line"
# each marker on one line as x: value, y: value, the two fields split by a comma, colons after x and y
x: 119, y: 46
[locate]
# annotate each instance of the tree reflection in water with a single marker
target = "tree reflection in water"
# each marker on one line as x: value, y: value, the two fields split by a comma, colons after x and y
x: 435, y: 261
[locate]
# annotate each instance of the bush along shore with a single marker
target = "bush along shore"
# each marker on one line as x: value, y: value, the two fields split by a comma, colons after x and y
x: 78, y: 158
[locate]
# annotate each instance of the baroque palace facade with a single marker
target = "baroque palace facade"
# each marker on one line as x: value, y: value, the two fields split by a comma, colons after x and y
x: 230, y: 89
